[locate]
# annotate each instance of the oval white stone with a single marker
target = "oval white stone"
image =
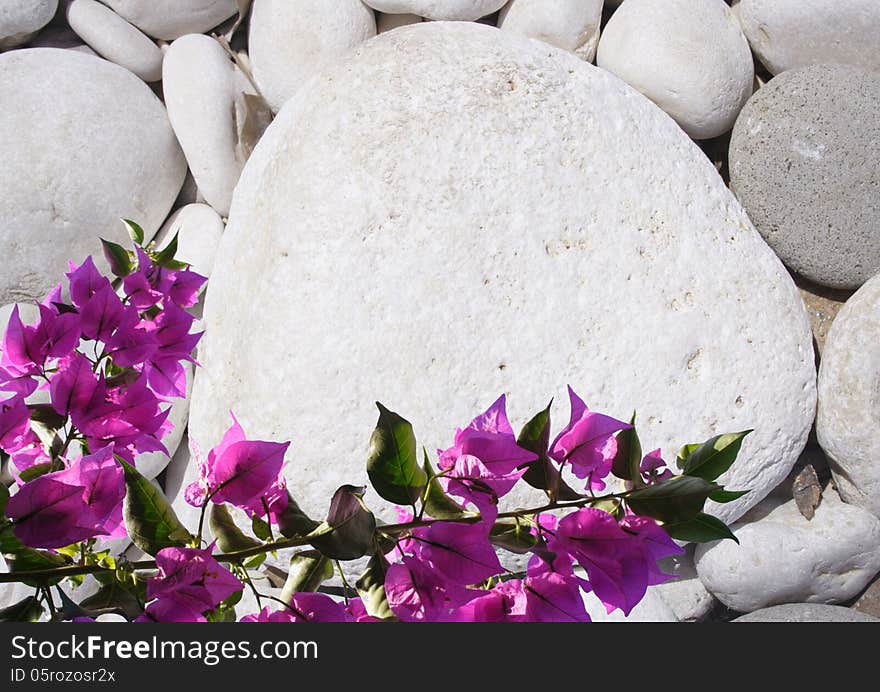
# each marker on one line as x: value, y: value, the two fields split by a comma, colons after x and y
x: 171, y: 19
x: 785, y: 558
x: 519, y: 221
x: 21, y: 19
x: 569, y: 24
x: 688, y: 56
x: 87, y: 143
x: 786, y: 34
x: 458, y: 10
x: 200, y: 92
x: 849, y: 406
x: 290, y: 41
x: 115, y: 39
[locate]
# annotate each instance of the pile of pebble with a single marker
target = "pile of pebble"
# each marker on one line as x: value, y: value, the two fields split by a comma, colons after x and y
x: 674, y: 205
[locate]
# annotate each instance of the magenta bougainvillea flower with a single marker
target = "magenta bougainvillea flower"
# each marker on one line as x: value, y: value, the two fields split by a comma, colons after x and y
x: 307, y: 607
x: 587, y: 443
x: 485, y: 462
x: 417, y: 593
x: 245, y: 473
x: 460, y: 554
x: 653, y: 469
x: 190, y: 580
x: 64, y: 507
x: 620, y: 564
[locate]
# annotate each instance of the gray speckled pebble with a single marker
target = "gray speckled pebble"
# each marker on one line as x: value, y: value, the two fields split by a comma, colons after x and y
x: 806, y: 612
x: 805, y: 163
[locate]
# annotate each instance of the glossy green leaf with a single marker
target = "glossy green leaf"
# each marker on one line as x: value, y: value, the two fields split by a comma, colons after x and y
x: 135, y: 232
x: 254, y: 561
x: 308, y: 570
x: 27, y: 610
x: 712, y: 458
x: 261, y: 528
x: 723, y: 496
x: 149, y: 518
x: 677, y: 500
x: 438, y: 504
x: 166, y: 255
x: 351, y: 526
x: 22, y: 558
x: 513, y: 536
x: 229, y: 537
x: 541, y: 473
x: 47, y: 415
x: 37, y: 470
x: 393, y: 465
x: 703, y: 528
x: 371, y: 588
x: 117, y: 257
x: 295, y: 522
x: 628, y: 461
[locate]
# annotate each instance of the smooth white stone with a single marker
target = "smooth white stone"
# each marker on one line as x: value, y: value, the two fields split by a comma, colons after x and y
x: 849, y: 404
x: 785, y: 558
x: 171, y: 19
x: 455, y: 10
x: 569, y: 24
x: 21, y: 19
x: 689, y: 57
x: 115, y: 39
x: 199, y: 229
x: 291, y: 41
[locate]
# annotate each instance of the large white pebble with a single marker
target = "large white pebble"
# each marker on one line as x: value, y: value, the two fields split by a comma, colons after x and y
x: 171, y: 19
x: 569, y: 24
x: 688, y: 56
x: 86, y: 144
x: 433, y: 243
x: 199, y: 229
x: 848, y: 416
x: 785, y: 558
x: 290, y: 40
x: 115, y: 39
x: 200, y: 92
x: 786, y: 34
x: 21, y: 19
x: 456, y: 10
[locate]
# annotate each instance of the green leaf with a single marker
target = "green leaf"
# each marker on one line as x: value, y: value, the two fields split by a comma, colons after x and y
x: 513, y: 536
x: 37, y: 470
x: 674, y: 501
x: 4, y: 498
x: 308, y: 570
x: 438, y: 504
x: 22, y: 558
x: 229, y: 537
x: 393, y: 465
x: 628, y: 461
x: 371, y: 588
x: 723, y: 496
x: 261, y: 528
x: 255, y: 561
x: 166, y: 254
x: 541, y: 473
x: 27, y: 610
x: 47, y: 415
x: 712, y: 458
x: 351, y: 526
x: 703, y: 528
x: 295, y: 522
x: 135, y: 232
x: 149, y: 518
x: 117, y: 257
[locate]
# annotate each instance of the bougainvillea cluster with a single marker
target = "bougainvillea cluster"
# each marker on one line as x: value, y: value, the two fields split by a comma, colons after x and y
x: 87, y: 389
